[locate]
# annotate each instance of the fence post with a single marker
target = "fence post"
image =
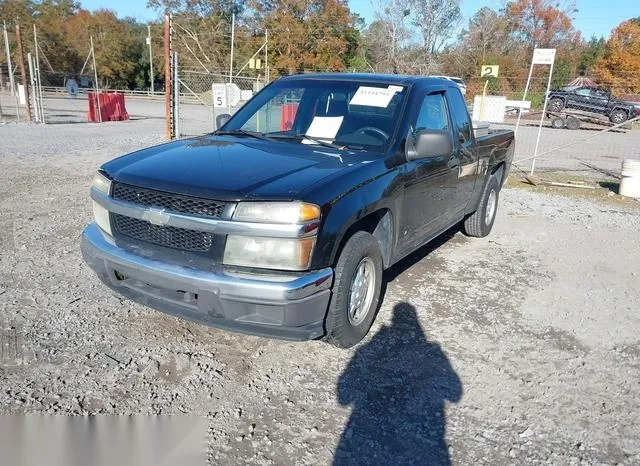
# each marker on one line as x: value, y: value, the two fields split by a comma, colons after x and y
x: 167, y: 77
x: 176, y: 96
x: 36, y: 64
x: 6, y: 46
x: 23, y: 72
x: 34, y: 90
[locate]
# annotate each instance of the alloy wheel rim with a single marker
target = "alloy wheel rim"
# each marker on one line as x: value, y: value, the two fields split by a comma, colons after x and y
x: 491, y: 207
x: 618, y: 118
x: 361, y: 292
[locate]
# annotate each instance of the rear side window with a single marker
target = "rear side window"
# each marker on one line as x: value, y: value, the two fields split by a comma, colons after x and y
x: 460, y: 115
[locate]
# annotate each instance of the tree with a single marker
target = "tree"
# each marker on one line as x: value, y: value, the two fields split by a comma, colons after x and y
x: 436, y: 20
x: 541, y: 23
x: 619, y: 68
x: 387, y: 36
x: 593, y: 51
x: 308, y: 34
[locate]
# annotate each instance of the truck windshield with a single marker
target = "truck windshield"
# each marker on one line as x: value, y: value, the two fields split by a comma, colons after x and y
x: 339, y: 113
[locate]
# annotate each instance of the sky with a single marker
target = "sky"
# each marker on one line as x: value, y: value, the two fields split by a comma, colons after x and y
x: 594, y: 17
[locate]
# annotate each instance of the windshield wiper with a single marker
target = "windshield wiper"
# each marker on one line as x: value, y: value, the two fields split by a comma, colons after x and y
x: 309, y: 138
x: 244, y: 132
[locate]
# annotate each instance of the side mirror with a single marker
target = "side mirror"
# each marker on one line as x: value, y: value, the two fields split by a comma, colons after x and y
x: 429, y: 143
x: 222, y: 119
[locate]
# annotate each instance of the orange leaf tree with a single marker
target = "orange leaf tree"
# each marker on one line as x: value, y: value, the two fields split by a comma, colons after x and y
x: 619, y: 69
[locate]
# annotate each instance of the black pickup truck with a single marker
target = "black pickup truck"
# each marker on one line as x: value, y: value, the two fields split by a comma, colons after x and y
x: 592, y: 100
x: 282, y: 222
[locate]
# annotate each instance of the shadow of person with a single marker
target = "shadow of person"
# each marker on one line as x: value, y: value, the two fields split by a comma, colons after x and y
x: 397, y: 385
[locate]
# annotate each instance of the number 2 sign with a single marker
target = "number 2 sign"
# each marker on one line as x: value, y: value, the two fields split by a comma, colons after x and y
x: 489, y: 71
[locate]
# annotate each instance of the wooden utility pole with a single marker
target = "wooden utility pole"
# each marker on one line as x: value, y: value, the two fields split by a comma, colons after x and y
x: 95, y: 78
x: 23, y: 72
x: 167, y: 76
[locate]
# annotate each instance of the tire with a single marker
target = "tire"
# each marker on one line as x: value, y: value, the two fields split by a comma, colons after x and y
x: 479, y: 223
x: 557, y: 123
x: 618, y: 116
x: 573, y: 123
x: 556, y: 104
x: 344, y: 328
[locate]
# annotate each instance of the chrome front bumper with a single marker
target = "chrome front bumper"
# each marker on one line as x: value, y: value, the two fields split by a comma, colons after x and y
x: 282, y: 306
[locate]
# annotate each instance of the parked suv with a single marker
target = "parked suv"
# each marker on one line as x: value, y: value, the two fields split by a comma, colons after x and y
x: 591, y: 99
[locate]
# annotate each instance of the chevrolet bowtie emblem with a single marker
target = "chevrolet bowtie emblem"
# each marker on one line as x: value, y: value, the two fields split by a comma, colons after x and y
x: 156, y: 216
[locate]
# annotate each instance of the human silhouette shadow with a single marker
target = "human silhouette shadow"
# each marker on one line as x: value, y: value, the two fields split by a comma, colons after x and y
x: 397, y: 385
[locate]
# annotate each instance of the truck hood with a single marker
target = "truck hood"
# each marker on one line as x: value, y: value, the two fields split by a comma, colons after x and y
x: 231, y: 168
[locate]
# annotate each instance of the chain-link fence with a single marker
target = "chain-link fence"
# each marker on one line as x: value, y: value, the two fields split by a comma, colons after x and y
x: 586, y: 130
x: 203, y: 96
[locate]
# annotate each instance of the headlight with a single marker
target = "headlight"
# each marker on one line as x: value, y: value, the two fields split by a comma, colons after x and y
x: 101, y: 183
x: 100, y: 214
x: 269, y: 253
x: 276, y: 212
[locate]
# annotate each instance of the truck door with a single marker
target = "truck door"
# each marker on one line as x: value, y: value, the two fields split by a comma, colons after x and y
x: 430, y: 183
x: 600, y: 99
x: 464, y: 138
x: 580, y: 99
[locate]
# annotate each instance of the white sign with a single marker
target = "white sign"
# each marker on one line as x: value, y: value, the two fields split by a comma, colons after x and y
x: 324, y: 127
x: 219, y: 92
x: 225, y: 94
x: 373, y: 96
x: 21, y: 95
x: 544, y: 56
x: 246, y: 95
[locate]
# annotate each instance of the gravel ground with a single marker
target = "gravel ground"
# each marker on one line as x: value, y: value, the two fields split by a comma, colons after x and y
x: 518, y: 348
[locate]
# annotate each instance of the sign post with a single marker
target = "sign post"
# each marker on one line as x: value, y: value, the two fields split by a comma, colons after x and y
x: 540, y: 57
x: 487, y: 71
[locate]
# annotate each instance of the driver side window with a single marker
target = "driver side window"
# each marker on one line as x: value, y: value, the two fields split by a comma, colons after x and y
x: 433, y: 114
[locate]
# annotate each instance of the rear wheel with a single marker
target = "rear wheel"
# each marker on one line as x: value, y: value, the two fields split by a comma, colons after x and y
x: 556, y: 104
x: 479, y: 223
x: 557, y: 122
x: 356, y: 291
x: 618, y: 116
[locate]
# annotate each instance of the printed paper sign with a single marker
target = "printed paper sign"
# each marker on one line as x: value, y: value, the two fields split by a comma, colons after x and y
x: 544, y: 56
x: 324, y: 127
x: 373, y: 96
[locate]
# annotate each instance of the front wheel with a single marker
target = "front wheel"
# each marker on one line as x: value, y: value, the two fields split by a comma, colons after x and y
x: 618, y: 116
x: 356, y: 291
x: 479, y: 223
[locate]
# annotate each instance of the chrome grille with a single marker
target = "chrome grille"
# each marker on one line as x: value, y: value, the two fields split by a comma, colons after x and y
x: 172, y: 237
x: 169, y: 201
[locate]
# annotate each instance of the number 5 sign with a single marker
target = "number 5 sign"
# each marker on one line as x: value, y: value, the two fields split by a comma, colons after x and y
x: 219, y: 92
x: 489, y: 71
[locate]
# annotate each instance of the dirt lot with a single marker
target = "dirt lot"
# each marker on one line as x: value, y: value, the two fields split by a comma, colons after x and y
x: 519, y: 348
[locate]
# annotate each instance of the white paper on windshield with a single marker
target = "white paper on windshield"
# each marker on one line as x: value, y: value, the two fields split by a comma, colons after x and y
x: 373, y: 96
x: 324, y: 127
x: 396, y: 88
